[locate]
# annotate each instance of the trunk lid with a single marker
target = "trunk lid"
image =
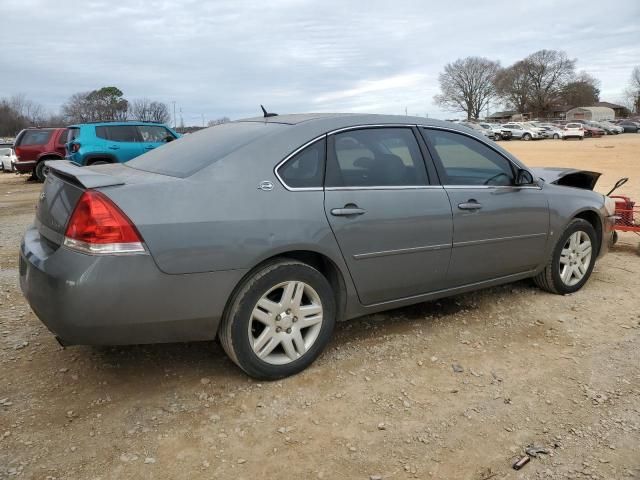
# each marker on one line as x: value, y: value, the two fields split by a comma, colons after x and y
x: 64, y: 186
x: 569, y: 177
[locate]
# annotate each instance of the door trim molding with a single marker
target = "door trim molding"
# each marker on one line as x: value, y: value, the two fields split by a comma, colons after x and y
x: 400, y: 251
x: 498, y: 239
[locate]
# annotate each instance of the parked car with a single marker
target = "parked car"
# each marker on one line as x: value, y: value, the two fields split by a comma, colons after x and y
x: 498, y: 132
x: 615, y: 129
x: 591, y: 131
x: 629, y: 126
x: 606, y: 129
x: 522, y: 131
x: 269, y: 230
x: 550, y: 130
x: 573, y: 130
x: 114, y: 142
x: 34, y: 146
x: 482, y: 131
x: 7, y: 159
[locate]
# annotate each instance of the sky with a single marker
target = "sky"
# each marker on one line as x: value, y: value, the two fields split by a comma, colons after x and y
x: 225, y: 58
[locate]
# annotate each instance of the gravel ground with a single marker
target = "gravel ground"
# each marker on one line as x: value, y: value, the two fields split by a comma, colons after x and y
x: 453, y: 389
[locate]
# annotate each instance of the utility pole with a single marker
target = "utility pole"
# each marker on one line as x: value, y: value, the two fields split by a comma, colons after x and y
x: 203, y: 120
x: 174, y: 114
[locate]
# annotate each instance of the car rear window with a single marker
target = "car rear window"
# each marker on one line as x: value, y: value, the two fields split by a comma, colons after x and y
x: 72, y: 134
x: 191, y: 153
x: 34, y: 137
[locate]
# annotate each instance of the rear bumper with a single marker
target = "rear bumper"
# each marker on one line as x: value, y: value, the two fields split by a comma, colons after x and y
x: 608, y: 234
x: 26, y: 166
x: 118, y: 300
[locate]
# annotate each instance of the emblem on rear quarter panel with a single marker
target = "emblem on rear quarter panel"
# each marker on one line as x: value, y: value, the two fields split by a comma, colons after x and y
x: 42, y: 196
x: 265, y: 185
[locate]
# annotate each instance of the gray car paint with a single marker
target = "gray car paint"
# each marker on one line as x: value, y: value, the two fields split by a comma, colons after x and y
x: 206, y: 231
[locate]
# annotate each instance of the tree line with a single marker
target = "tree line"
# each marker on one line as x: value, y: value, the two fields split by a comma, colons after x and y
x: 536, y: 84
x: 101, y: 105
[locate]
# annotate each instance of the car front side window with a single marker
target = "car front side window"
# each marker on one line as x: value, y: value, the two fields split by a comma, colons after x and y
x: 467, y: 161
x: 375, y: 157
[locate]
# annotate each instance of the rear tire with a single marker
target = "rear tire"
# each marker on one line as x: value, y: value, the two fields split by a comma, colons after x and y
x: 556, y: 136
x: 568, y: 269
x: 266, y: 333
x: 526, y: 137
x: 41, y: 171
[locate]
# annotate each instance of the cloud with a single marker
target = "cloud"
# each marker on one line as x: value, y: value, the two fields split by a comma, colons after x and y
x: 227, y: 57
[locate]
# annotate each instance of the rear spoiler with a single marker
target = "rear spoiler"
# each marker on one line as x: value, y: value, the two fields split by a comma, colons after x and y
x: 87, y: 177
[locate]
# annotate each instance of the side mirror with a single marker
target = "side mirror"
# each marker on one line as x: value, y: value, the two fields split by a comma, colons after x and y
x: 524, y: 177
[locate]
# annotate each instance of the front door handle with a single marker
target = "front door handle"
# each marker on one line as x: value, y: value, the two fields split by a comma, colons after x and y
x: 114, y: 147
x: 470, y: 205
x: 149, y: 147
x: 347, y: 211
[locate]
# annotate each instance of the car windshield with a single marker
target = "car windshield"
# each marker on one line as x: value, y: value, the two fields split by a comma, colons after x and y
x: 191, y: 153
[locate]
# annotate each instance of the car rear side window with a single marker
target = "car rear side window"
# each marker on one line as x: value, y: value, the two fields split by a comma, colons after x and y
x: 306, y: 168
x: 34, y: 137
x: 375, y: 157
x: 123, y: 133
x: 101, y: 132
x: 467, y: 161
x: 155, y: 134
x: 198, y: 150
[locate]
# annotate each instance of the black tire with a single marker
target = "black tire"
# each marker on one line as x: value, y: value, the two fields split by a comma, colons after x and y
x: 556, y: 136
x: 497, y: 137
x: 549, y: 279
x: 234, y: 327
x: 526, y: 137
x: 581, y: 138
x: 41, y: 171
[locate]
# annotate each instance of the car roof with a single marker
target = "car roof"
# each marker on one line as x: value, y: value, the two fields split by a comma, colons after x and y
x: 342, y: 120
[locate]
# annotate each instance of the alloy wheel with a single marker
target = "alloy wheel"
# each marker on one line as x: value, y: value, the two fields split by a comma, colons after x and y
x: 575, y: 258
x: 285, y: 322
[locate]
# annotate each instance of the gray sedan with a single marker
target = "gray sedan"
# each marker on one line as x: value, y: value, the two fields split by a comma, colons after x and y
x: 265, y: 232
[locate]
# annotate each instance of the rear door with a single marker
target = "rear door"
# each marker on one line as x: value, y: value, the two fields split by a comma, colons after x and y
x: 393, y: 227
x: 499, y: 229
x: 61, y: 141
x: 154, y: 136
x: 123, y: 141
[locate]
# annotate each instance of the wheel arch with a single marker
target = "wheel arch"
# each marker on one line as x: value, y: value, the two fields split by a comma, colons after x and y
x: 320, y: 261
x: 88, y: 159
x: 593, y: 217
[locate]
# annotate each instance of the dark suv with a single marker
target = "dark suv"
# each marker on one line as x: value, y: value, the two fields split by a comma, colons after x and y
x: 35, y: 145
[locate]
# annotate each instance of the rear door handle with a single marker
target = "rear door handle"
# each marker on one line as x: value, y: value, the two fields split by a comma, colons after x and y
x: 470, y: 205
x: 347, y: 211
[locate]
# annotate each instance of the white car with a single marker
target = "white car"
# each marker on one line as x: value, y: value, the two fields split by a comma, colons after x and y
x: 7, y: 159
x: 573, y: 130
x: 523, y: 131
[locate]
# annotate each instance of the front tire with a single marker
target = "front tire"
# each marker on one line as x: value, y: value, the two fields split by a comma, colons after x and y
x: 279, y: 321
x: 526, y: 137
x: 556, y: 136
x: 572, y: 260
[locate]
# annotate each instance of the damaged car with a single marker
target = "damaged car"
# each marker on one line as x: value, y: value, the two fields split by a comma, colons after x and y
x: 265, y: 232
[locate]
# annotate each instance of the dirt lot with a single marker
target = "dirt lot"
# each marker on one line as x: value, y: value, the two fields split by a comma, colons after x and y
x: 559, y: 372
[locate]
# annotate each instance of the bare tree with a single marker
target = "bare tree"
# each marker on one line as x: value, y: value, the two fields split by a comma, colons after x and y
x: 146, y: 110
x: 514, y: 87
x: 218, y: 121
x: 548, y: 71
x: 467, y: 85
x: 632, y: 92
x: 32, y: 112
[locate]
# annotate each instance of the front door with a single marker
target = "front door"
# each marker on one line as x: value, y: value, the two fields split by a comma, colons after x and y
x: 499, y: 229
x: 393, y: 228
x: 154, y: 136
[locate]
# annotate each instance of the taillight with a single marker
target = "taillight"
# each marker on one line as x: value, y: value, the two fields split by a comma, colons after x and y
x: 75, y: 147
x: 98, y: 226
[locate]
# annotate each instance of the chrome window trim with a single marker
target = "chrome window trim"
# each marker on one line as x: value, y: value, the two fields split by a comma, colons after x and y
x: 288, y: 157
x: 389, y: 187
x: 484, y: 187
x: 404, y: 187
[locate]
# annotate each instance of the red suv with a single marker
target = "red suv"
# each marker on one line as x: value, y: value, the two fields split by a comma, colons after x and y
x: 35, y: 145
